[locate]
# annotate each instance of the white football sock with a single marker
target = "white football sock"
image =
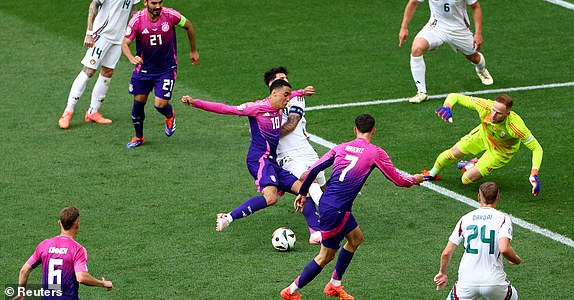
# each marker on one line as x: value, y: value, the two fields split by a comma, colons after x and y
x: 315, y: 192
x: 335, y: 282
x: 479, y: 67
x: 78, y: 87
x: 418, y: 70
x: 99, y: 93
x: 293, y: 288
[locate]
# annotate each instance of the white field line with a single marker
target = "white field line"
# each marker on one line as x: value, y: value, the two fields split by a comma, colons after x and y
x: 562, y: 3
x: 495, y: 91
x: 431, y: 186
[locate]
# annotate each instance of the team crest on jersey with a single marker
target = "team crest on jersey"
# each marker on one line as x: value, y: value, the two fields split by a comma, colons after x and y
x: 502, y: 134
x: 165, y: 26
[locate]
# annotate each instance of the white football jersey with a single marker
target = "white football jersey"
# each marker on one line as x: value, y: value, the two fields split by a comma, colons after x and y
x: 296, y: 143
x: 449, y: 14
x: 112, y: 18
x: 481, y: 263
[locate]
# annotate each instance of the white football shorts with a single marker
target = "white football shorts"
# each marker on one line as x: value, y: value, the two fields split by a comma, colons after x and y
x: 459, y: 40
x: 493, y: 292
x: 299, y: 165
x: 104, y: 54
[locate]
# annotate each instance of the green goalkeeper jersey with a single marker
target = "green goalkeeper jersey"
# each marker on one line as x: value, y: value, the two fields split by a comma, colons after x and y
x: 503, y: 138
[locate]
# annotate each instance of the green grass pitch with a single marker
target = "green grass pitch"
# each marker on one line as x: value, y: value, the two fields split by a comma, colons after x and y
x: 148, y: 214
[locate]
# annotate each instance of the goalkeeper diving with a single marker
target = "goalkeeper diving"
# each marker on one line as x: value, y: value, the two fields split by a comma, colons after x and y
x: 499, y: 135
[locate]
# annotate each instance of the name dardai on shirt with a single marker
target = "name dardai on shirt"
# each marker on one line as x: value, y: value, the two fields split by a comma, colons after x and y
x: 481, y: 217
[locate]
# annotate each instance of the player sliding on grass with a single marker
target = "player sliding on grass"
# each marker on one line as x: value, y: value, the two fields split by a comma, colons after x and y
x: 486, y: 233
x: 265, y: 124
x: 352, y: 164
x: 499, y: 135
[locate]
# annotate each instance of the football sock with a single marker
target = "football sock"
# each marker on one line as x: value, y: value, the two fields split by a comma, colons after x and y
x: 99, y: 93
x: 444, y: 159
x: 315, y: 192
x: 167, y: 110
x: 311, y: 215
x: 249, y: 207
x: 481, y: 64
x: 311, y: 270
x: 465, y: 179
x: 343, y: 262
x: 418, y: 70
x: 77, y: 89
x: 293, y: 288
x: 138, y: 117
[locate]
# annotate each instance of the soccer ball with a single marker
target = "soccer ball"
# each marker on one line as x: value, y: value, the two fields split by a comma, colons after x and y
x: 283, y: 239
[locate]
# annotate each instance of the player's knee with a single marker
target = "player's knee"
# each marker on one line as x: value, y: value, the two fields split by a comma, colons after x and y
x: 107, y: 72
x: 89, y: 72
x: 270, y: 199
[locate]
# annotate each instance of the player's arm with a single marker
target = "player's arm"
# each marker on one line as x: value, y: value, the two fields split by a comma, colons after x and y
x: 441, y: 278
x: 134, y: 60
x: 24, y: 274
x: 474, y: 103
x: 92, y: 12
x: 477, y: 18
x: 193, y: 54
x: 386, y: 166
x: 245, y: 109
x: 519, y: 130
x: 407, y: 17
x: 507, y: 251
x: 86, y: 279
x: 295, y: 115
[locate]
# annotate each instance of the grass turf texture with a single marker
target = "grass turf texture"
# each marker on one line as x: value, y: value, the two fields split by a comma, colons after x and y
x: 148, y: 213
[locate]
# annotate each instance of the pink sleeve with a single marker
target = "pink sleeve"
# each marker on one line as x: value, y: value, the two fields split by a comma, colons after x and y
x: 174, y: 15
x: 130, y: 33
x: 386, y: 166
x: 36, y: 256
x: 297, y: 93
x: 245, y: 109
x: 81, y: 260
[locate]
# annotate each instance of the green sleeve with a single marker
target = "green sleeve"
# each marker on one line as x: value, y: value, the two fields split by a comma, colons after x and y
x: 537, y: 151
x: 519, y: 130
x: 481, y: 105
x: 181, y: 21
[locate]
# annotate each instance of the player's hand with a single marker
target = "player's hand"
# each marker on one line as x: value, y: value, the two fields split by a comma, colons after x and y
x: 194, y: 56
x: 403, y: 34
x: 299, y: 203
x: 445, y: 113
x: 535, y: 182
x: 187, y: 100
x: 107, y: 284
x: 419, y: 178
x: 440, y: 280
x: 136, y: 60
x: 477, y: 41
x: 89, y: 41
x: 309, y: 91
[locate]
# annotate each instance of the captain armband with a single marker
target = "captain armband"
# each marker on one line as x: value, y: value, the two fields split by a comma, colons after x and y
x: 296, y: 110
x: 181, y: 21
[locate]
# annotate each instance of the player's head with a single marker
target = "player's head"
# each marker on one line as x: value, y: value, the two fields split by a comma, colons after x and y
x: 280, y: 91
x: 274, y: 74
x: 501, y: 108
x: 153, y: 7
x: 365, y: 123
x: 69, y: 218
x: 488, y: 193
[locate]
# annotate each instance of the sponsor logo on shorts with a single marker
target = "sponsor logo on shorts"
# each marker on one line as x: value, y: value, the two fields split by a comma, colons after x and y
x: 273, y: 178
x: 92, y: 62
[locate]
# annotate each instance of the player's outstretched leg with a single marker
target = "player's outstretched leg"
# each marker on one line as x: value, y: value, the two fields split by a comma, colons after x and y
x: 312, y: 219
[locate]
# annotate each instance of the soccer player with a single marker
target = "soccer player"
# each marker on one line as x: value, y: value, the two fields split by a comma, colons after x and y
x: 486, y: 233
x: 107, y: 20
x: 449, y: 24
x: 265, y: 125
x: 499, y: 134
x: 64, y: 261
x: 153, y: 28
x: 294, y: 152
x: 352, y: 164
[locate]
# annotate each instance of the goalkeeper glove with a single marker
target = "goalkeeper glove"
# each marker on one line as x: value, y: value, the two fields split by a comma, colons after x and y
x: 445, y: 113
x: 535, y: 182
